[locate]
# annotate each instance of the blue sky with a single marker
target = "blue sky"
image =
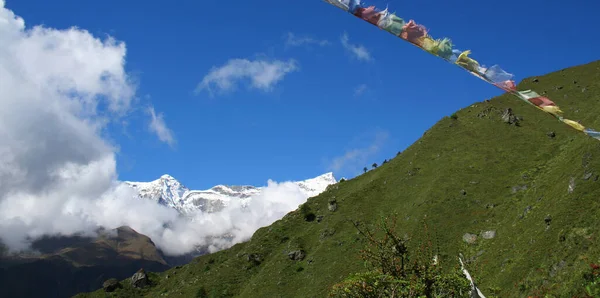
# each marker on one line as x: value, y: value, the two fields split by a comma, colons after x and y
x: 312, y: 120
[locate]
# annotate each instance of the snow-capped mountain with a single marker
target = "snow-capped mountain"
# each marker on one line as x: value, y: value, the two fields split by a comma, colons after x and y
x: 169, y: 192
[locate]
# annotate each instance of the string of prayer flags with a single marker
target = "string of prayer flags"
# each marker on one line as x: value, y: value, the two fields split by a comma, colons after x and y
x: 418, y: 35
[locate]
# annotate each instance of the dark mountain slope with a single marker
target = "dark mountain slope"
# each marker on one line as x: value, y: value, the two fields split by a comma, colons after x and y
x: 69, y: 265
x: 468, y: 174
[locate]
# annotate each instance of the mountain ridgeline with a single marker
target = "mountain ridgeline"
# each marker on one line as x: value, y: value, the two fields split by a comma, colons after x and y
x: 169, y: 192
x: 507, y: 186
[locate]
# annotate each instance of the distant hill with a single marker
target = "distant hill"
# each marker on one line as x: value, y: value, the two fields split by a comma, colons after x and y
x: 68, y: 265
x: 520, y: 202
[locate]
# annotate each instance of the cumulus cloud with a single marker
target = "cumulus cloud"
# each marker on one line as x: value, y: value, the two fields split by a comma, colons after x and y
x: 260, y: 74
x: 292, y: 40
x: 356, y: 158
x: 358, y: 51
x: 159, y: 127
x: 58, y: 91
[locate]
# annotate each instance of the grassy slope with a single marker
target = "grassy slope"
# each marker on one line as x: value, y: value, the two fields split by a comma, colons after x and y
x: 483, y: 156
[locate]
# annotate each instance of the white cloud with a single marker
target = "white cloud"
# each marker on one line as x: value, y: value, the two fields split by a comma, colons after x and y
x: 359, y: 51
x: 355, y: 159
x: 293, y: 40
x: 159, y: 127
x: 58, y: 90
x: 360, y: 89
x: 237, y: 220
x: 261, y: 74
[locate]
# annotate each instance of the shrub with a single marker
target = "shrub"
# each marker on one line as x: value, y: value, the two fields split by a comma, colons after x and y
x: 307, y: 213
x: 396, y: 273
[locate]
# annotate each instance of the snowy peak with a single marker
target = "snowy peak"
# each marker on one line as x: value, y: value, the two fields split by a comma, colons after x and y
x: 169, y: 192
x: 166, y: 190
x: 318, y: 184
x: 167, y: 177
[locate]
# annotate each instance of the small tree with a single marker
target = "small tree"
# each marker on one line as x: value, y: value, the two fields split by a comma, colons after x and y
x: 399, y: 152
x: 374, y: 165
x: 365, y: 169
x: 307, y: 212
x: 385, y: 161
x: 394, y: 272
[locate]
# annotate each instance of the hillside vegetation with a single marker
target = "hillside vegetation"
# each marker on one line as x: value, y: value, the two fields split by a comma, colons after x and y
x: 533, y: 188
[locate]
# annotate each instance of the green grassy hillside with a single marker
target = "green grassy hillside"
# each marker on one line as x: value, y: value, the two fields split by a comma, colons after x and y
x: 469, y: 173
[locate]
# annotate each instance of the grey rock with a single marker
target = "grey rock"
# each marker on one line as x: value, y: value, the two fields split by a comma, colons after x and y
x: 536, y: 80
x: 254, y: 258
x: 297, y: 255
x: 587, y: 176
x: 332, y: 205
x: 111, y: 285
x: 571, y: 185
x: 488, y: 234
x: 551, y: 134
x: 139, y: 279
x: 463, y: 192
x: 515, y: 189
x: 469, y: 238
x: 509, y: 117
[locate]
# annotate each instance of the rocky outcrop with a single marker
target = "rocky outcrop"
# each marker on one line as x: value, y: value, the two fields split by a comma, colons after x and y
x: 488, y: 234
x: 332, y: 206
x: 297, y: 255
x: 139, y: 279
x: 469, y: 238
x: 111, y: 285
x: 509, y: 117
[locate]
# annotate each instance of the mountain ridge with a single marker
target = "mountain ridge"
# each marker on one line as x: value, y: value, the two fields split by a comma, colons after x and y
x: 65, y: 266
x: 168, y: 191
